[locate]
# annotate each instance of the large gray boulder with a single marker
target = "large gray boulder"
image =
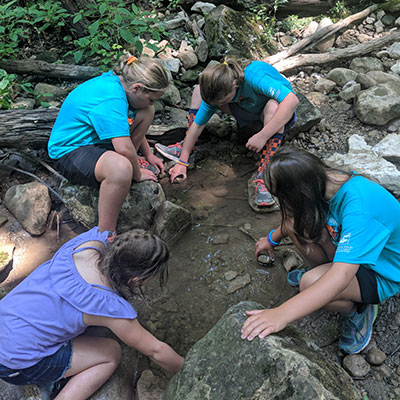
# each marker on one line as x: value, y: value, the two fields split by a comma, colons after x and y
x: 285, y: 366
x: 231, y: 32
x: 138, y: 210
x: 30, y: 204
x: 369, y: 161
x: 379, y: 104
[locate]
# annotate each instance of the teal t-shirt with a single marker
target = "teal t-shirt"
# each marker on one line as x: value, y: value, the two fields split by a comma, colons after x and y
x: 262, y: 82
x: 366, y: 218
x: 94, y: 112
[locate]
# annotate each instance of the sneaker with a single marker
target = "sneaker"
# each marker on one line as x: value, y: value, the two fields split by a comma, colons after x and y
x: 173, y: 151
x: 293, y: 277
x: 144, y: 164
x: 357, y: 330
x: 263, y: 197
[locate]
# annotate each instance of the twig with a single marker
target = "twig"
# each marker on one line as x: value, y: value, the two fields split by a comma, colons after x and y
x: 215, y: 225
x: 395, y: 350
x: 35, y: 177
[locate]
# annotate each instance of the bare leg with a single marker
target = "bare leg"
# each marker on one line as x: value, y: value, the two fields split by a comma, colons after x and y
x: 114, y: 171
x: 345, y: 301
x: 94, y: 360
x: 315, y: 254
x: 140, y: 126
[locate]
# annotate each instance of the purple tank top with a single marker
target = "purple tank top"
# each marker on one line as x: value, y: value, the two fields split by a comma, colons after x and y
x: 46, y: 309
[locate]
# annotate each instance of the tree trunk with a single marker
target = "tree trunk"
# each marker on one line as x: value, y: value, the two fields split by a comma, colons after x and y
x: 353, y: 51
x: 42, y: 68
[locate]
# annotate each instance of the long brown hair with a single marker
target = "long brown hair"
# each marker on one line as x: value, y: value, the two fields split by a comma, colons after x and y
x: 298, y: 179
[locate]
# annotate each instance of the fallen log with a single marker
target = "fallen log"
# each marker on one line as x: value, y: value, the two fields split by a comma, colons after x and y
x: 302, y: 60
x: 31, y: 128
x: 306, y: 8
x: 319, y: 35
x: 43, y: 68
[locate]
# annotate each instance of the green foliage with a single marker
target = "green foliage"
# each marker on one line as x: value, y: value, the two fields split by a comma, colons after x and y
x: 266, y: 13
x: 293, y: 22
x: 7, y: 89
x: 339, y: 11
x: 112, y: 28
x: 20, y: 25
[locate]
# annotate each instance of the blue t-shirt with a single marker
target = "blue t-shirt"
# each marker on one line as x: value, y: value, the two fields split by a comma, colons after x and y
x: 94, y: 112
x: 262, y: 82
x: 366, y: 218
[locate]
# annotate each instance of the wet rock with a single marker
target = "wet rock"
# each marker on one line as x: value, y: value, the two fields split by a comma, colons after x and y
x: 171, y: 221
x: 362, y: 158
x: 221, y: 238
x: 150, y: 387
x: 356, y: 365
x: 238, y: 283
x: 280, y: 366
x: 341, y: 75
x: 138, y: 210
x: 376, y: 356
x: 30, y: 204
x: 379, y: 104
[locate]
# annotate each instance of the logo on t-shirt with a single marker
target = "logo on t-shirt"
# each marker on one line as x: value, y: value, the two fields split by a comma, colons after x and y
x: 345, y: 239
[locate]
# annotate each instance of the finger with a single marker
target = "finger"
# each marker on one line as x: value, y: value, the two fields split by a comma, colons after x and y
x: 266, y: 332
x: 254, y: 312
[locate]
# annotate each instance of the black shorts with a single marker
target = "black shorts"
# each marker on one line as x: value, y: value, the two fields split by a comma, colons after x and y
x: 79, y: 164
x: 368, y: 287
x: 244, y: 117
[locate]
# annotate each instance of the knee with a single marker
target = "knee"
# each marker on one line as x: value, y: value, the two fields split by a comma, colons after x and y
x: 119, y: 170
x: 309, y: 278
x: 113, y: 351
x: 269, y: 109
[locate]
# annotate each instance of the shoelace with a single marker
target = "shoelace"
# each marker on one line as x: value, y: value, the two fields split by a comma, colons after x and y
x: 260, y: 182
x: 143, y: 163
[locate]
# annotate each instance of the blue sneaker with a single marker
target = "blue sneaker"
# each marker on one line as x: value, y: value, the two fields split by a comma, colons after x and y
x: 293, y: 277
x: 357, y: 330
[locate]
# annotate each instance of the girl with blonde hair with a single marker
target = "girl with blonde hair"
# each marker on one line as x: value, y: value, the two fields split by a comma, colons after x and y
x: 101, y: 128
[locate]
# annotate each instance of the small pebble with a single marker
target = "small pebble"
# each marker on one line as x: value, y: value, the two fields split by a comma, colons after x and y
x: 376, y: 356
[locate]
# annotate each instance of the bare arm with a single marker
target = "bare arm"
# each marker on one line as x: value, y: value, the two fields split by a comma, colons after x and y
x: 190, y: 140
x: 134, y: 335
x: 282, y: 115
x: 124, y: 146
x: 264, y: 322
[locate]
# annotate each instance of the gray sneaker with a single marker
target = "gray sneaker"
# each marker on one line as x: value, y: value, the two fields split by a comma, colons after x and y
x: 144, y: 164
x: 173, y: 151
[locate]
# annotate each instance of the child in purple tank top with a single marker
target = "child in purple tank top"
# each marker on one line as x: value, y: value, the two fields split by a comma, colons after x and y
x: 86, y: 283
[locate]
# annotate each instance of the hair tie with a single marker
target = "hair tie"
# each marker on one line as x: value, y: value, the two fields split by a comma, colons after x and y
x: 225, y: 63
x: 131, y: 59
